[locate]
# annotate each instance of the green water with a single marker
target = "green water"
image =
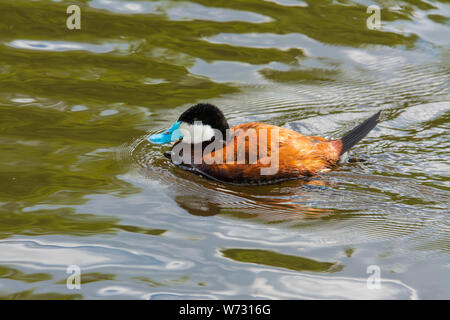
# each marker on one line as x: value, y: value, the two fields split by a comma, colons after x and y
x: 80, y: 185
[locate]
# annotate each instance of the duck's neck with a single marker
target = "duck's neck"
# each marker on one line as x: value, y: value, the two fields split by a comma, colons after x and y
x: 195, y: 151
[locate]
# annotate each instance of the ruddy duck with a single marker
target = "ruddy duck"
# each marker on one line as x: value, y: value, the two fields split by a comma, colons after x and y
x: 251, y: 153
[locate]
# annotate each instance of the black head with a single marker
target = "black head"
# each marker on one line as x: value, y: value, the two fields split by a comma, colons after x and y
x: 208, y: 114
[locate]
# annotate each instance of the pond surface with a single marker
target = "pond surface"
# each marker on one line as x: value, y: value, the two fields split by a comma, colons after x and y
x: 80, y: 185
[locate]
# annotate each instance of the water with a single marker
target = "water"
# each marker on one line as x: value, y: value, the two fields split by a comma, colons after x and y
x: 80, y: 185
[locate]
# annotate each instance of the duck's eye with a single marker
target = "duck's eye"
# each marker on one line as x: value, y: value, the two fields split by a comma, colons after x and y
x: 167, y: 132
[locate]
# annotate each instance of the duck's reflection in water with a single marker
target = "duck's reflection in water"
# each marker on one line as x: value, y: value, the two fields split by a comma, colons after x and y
x: 270, y: 203
x: 294, y: 200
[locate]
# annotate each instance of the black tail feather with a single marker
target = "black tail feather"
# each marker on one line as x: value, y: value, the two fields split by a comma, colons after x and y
x: 359, y: 132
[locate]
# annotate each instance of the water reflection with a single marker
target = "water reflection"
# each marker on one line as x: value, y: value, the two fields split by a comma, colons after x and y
x: 14, y: 274
x: 263, y: 203
x: 65, y: 46
x: 270, y: 258
x: 31, y: 295
x: 179, y: 10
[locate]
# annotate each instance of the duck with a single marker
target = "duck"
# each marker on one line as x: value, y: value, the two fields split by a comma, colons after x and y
x: 251, y: 153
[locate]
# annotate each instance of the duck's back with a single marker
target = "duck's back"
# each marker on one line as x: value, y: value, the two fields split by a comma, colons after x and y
x: 259, y: 153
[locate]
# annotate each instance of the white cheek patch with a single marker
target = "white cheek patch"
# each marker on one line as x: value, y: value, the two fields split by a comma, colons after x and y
x: 196, y: 133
